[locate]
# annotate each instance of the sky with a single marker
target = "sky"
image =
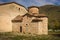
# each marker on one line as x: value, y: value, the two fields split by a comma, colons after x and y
x: 28, y: 3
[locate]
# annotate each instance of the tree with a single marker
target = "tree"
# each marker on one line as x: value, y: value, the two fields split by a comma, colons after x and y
x: 56, y: 25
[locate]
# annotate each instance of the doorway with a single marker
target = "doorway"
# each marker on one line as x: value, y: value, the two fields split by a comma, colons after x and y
x: 20, y: 28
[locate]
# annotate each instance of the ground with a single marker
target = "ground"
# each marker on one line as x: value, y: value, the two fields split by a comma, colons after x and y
x: 10, y: 36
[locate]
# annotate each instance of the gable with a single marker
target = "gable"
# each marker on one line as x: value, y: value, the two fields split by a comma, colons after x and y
x: 22, y: 9
x: 12, y: 10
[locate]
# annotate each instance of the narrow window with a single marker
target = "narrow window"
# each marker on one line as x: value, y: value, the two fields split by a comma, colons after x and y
x: 26, y: 24
x: 19, y: 9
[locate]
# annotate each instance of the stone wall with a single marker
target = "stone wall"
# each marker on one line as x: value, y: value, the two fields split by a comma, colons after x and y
x: 34, y: 10
x: 34, y: 27
x: 16, y: 26
x: 7, y: 13
x: 43, y: 26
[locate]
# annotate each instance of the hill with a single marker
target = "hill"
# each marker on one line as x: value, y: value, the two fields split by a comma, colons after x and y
x: 53, y: 13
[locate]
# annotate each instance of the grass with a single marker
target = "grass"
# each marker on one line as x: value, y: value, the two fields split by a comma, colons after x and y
x: 54, y: 32
x: 10, y: 36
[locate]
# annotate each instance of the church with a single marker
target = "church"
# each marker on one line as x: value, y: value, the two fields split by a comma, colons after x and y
x: 16, y: 18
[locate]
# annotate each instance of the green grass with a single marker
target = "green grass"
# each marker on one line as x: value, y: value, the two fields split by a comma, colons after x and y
x: 10, y: 36
x: 54, y: 32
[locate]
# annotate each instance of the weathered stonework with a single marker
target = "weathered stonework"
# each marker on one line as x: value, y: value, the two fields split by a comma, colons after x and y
x: 15, y: 18
x: 7, y: 13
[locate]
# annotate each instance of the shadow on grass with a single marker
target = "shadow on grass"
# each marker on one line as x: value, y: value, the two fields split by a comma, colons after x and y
x: 56, y: 35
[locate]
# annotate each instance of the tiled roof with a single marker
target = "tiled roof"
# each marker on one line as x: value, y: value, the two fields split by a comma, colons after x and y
x: 38, y: 15
x: 33, y: 7
x: 18, y: 19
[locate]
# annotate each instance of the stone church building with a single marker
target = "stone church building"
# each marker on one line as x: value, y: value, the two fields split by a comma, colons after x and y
x: 16, y: 18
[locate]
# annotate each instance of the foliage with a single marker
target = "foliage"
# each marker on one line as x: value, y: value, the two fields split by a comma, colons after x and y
x: 53, y: 13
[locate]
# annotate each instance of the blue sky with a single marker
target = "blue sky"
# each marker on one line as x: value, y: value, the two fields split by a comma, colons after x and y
x: 33, y: 2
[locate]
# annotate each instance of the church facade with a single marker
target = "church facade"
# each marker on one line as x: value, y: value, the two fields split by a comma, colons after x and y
x: 16, y: 18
